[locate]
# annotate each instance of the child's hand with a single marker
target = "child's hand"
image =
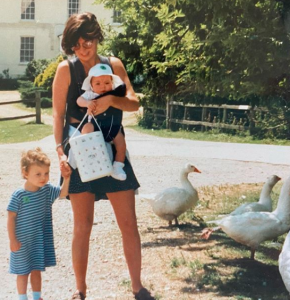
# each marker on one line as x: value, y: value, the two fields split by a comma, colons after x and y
x: 15, y: 245
x: 65, y: 169
x: 91, y: 107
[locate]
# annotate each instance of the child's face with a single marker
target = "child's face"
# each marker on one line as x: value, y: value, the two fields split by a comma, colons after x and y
x: 102, y: 84
x: 37, y: 176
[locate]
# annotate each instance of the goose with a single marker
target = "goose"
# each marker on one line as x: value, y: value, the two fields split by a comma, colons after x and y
x: 253, y: 228
x: 284, y: 262
x: 170, y: 203
x: 264, y: 204
x: 265, y: 200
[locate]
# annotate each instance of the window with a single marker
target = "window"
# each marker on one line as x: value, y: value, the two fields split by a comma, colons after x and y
x: 27, y: 10
x: 26, y: 49
x: 73, y: 7
x: 117, y: 16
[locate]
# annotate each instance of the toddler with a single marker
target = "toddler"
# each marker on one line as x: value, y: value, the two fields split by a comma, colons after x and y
x: 30, y: 221
x: 101, y: 82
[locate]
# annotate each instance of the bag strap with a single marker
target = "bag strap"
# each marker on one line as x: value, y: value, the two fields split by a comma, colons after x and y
x: 82, y: 123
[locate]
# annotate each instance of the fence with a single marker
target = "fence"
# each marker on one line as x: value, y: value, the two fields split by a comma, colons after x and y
x: 37, y: 109
x: 212, y: 116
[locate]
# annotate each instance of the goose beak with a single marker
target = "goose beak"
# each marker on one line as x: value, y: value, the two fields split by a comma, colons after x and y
x: 196, y: 170
x: 279, y: 178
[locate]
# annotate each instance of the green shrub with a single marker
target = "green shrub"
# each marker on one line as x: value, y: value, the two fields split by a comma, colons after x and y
x: 27, y: 92
x: 46, y: 102
x: 8, y: 84
x: 45, y: 79
x: 36, y: 67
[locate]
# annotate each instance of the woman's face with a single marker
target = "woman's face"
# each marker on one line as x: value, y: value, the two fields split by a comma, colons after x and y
x: 85, y: 49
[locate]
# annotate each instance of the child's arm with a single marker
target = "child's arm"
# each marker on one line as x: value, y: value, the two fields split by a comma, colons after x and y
x: 14, y: 243
x: 90, y: 104
x: 65, y: 173
x: 82, y: 102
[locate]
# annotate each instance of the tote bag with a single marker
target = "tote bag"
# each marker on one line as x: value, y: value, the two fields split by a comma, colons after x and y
x: 91, y: 154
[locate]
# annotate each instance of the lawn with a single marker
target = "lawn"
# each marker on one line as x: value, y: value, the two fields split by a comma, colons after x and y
x: 218, y: 268
x: 19, y: 131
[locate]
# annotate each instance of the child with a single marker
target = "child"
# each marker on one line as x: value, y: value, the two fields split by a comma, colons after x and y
x: 101, y: 82
x: 30, y: 221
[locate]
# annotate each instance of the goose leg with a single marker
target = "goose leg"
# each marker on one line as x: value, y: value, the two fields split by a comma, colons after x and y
x: 176, y: 221
x: 206, y: 232
x: 253, y: 253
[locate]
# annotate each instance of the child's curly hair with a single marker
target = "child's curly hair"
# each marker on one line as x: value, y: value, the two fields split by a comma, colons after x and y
x: 33, y: 157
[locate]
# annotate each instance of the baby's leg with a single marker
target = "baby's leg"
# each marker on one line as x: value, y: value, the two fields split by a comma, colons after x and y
x: 120, y: 145
x: 88, y: 128
x: 118, y: 165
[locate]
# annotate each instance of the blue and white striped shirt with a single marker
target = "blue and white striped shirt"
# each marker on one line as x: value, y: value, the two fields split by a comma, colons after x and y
x: 33, y: 229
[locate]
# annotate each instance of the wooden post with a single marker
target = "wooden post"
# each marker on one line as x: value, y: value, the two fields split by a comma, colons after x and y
x: 170, y: 112
x: 37, y: 107
x: 203, y: 117
x: 224, y: 115
x: 252, y: 122
x: 167, y: 113
x: 185, y: 127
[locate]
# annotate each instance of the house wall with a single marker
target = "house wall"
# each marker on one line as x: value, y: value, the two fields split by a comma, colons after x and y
x: 50, y: 18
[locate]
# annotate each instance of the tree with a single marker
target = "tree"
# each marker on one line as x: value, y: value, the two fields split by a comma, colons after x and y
x: 229, y: 49
x: 206, y: 50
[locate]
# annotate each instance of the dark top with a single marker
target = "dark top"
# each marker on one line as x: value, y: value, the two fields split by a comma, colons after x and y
x: 110, y: 121
x: 103, y: 185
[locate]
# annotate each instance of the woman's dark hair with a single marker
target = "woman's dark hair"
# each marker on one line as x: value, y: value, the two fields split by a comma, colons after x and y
x: 84, y: 26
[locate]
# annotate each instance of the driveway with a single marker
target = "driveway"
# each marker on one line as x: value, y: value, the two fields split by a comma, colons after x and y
x: 157, y: 163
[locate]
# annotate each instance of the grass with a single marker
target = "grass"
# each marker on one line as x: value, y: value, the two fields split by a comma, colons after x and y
x: 46, y: 111
x: 223, y: 269
x: 211, y: 135
x: 18, y: 131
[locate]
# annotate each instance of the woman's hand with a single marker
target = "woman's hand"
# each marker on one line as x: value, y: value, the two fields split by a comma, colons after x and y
x: 65, y: 169
x: 102, y: 104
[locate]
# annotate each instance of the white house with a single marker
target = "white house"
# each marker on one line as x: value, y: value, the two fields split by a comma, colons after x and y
x: 31, y: 29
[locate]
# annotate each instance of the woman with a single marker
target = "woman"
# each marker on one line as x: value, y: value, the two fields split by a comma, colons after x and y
x: 81, y: 37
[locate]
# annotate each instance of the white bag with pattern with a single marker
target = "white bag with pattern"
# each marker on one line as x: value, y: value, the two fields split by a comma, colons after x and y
x: 91, y: 155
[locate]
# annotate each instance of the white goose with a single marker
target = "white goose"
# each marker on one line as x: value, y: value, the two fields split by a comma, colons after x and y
x: 284, y: 262
x: 253, y: 228
x: 264, y: 204
x: 265, y: 200
x: 172, y: 202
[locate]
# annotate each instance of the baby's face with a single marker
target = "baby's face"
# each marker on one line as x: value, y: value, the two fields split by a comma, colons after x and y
x: 102, y: 84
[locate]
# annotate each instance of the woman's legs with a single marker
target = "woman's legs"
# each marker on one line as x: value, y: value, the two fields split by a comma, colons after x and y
x: 123, y: 204
x: 83, y: 211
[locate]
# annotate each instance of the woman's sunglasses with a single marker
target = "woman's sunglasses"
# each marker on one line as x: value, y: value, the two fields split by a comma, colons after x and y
x: 86, y: 45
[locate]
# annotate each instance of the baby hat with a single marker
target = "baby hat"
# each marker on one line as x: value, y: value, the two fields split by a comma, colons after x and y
x: 99, y: 70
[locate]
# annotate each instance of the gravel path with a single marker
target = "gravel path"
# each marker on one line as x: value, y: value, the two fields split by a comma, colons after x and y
x: 157, y: 162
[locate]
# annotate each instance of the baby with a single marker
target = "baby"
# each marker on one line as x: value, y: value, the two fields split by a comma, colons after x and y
x: 101, y: 82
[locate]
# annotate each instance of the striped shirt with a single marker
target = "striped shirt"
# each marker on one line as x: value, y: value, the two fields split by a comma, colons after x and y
x: 33, y: 229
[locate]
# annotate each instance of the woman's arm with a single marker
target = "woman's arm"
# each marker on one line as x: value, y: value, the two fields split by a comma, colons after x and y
x: 129, y: 102
x: 11, y: 221
x: 59, y: 96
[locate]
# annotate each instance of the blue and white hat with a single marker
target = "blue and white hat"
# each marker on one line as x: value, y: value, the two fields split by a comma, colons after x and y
x: 100, y: 70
